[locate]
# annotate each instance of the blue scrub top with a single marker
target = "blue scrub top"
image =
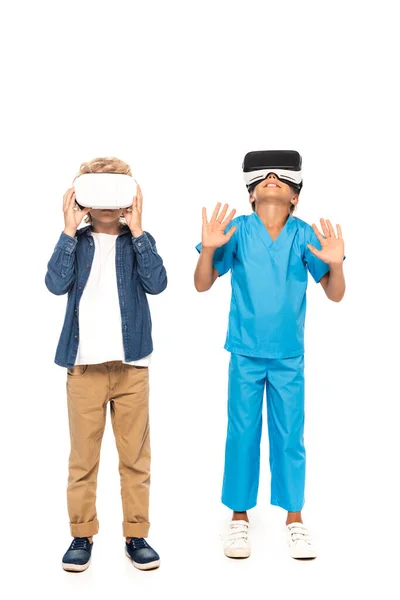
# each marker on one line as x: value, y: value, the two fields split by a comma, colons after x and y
x: 269, y: 281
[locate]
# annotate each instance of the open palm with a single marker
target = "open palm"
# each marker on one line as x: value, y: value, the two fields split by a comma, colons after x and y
x: 332, y: 247
x: 213, y: 233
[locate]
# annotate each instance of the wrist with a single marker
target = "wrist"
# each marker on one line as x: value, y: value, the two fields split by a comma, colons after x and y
x: 336, y: 266
x: 69, y: 231
x: 137, y: 232
x: 208, y: 250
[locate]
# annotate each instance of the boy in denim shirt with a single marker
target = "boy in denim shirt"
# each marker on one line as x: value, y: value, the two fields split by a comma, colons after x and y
x: 107, y: 268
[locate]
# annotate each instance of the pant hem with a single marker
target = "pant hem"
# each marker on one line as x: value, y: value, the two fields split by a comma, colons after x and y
x: 84, y: 529
x: 140, y: 530
x: 231, y: 506
x: 288, y: 507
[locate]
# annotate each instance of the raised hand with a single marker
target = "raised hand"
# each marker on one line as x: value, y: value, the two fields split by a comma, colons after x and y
x: 213, y: 235
x: 133, y: 215
x: 72, y: 217
x: 332, y: 247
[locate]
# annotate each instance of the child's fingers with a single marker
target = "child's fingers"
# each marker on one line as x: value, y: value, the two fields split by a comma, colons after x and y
x: 313, y: 250
x: 204, y: 215
x: 70, y: 202
x: 229, y: 218
x: 230, y: 232
x: 222, y: 214
x: 317, y: 233
x: 330, y: 227
x: 67, y: 197
x: 324, y: 228
x: 73, y: 198
x: 216, y: 211
x: 139, y: 196
x: 339, y: 231
x: 83, y: 212
x: 68, y: 192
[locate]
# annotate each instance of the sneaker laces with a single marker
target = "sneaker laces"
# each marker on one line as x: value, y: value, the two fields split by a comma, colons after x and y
x: 138, y: 543
x: 79, y: 544
x: 299, y: 533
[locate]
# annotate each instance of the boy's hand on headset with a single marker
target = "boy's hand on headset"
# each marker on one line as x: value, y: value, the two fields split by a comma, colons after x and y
x: 72, y: 217
x: 133, y: 215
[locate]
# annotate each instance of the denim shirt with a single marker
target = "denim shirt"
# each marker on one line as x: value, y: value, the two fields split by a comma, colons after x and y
x: 139, y: 270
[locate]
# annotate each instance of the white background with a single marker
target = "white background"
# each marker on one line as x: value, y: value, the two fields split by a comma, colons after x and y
x: 181, y: 91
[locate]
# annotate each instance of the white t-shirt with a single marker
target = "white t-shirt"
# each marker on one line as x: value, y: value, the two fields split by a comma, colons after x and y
x: 100, y: 324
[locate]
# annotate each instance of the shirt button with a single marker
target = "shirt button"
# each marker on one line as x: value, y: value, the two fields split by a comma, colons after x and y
x: 91, y: 243
x: 76, y: 337
x: 80, y: 287
x: 87, y: 266
x: 140, y: 243
x: 70, y: 243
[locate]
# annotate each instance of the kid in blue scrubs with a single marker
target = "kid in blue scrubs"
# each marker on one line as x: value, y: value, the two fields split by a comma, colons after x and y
x: 269, y: 254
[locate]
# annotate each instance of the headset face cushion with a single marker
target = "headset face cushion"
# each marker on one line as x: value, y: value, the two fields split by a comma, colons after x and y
x: 104, y: 190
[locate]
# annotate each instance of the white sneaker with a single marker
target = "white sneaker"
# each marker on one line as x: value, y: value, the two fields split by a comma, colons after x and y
x: 300, y: 542
x: 236, y: 543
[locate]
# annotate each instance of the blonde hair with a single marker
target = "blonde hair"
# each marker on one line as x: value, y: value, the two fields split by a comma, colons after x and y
x: 109, y: 164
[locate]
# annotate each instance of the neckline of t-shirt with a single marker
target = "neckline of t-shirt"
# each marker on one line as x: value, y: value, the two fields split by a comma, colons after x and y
x: 277, y: 244
x: 103, y: 233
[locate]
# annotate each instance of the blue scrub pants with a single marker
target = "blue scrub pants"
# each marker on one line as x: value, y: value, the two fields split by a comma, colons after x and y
x: 284, y: 382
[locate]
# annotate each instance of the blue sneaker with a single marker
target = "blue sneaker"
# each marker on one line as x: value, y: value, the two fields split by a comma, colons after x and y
x: 77, y: 557
x: 142, y: 555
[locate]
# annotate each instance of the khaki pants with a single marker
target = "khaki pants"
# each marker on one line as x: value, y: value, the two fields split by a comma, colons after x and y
x: 89, y: 389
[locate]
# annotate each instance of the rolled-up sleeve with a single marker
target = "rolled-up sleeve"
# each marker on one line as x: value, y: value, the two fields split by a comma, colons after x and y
x: 60, y: 274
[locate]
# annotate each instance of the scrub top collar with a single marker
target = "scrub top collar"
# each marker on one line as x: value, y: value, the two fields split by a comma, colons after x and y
x: 286, y: 232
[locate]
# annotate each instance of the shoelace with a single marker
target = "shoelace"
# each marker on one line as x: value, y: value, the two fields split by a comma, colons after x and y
x: 236, y: 532
x: 299, y: 533
x: 138, y: 543
x: 79, y: 544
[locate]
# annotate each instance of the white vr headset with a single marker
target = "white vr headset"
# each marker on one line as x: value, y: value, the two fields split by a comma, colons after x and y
x: 285, y: 164
x: 104, y: 190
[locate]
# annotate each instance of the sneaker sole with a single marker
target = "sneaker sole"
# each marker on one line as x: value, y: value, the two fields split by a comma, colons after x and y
x: 237, y: 553
x: 146, y: 566
x: 299, y: 557
x: 302, y: 555
x: 75, y: 568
